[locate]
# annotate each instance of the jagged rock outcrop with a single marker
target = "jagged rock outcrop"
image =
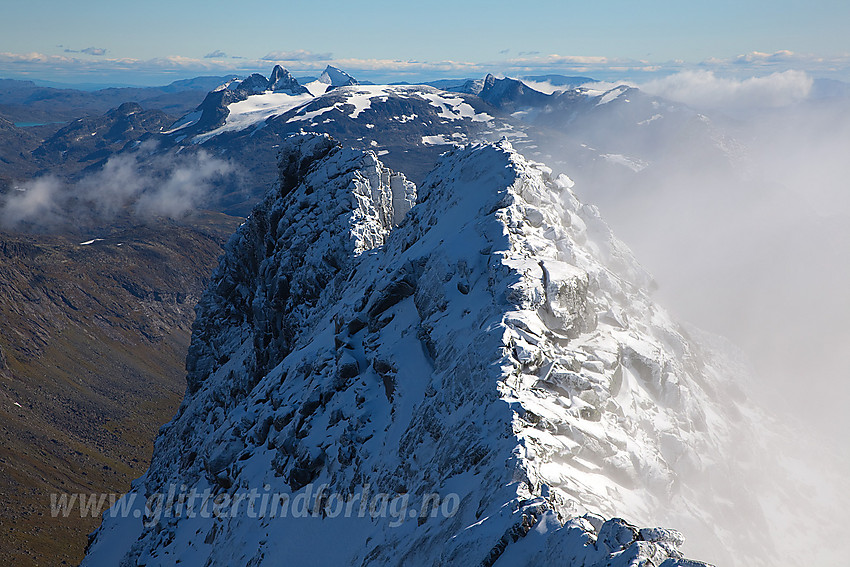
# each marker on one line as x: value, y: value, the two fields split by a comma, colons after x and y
x: 495, y: 351
x: 273, y: 296
x: 281, y: 80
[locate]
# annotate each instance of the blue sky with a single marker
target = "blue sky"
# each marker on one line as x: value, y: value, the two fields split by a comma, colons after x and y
x: 157, y: 41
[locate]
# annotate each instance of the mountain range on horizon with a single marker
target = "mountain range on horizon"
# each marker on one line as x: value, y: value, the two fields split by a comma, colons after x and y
x: 220, y: 124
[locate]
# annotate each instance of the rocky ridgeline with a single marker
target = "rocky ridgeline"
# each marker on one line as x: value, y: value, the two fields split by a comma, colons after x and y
x: 492, y: 345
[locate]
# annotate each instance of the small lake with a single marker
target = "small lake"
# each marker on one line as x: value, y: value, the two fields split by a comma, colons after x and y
x: 31, y: 124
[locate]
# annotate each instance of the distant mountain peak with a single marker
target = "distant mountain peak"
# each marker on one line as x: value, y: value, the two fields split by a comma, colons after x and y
x: 255, y: 83
x: 282, y: 80
x: 214, y: 109
x: 337, y: 77
x: 507, y: 91
x: 128, y: 108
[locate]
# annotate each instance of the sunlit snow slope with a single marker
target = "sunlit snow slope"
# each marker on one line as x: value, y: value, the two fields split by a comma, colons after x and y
x: 493, y: 342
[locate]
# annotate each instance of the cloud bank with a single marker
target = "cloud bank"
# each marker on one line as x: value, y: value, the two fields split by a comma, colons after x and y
x: 745, y: 225
x: 137, y: 184
x: 749, y: 242
x: 705, y: 90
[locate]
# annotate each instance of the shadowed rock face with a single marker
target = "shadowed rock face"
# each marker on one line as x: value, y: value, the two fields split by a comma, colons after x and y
x: 282, y: 80
x: 510, y: 93
x: 295, y: 277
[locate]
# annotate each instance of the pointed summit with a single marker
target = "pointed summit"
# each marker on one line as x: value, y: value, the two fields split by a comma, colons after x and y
x: 282, y: 80
x: 337, y: 77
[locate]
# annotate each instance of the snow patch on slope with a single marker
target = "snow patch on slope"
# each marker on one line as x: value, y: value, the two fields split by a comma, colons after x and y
x: 611, y: 95
x: 255, y: 109
x: 454, y: 107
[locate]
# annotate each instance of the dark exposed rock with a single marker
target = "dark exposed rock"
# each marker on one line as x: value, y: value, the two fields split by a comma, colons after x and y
x: 617, y: 534
x: 296, y: 160
x: 224, y: 456
x: 389, y: 385
x: 510, y: 93
x: 282, y: 80
x: 358, y: 323
x: 391, y: 295
x: 254, y: 84
x: 347, y: 369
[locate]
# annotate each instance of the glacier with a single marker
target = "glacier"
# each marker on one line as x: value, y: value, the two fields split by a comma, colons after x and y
x: 484, y: 338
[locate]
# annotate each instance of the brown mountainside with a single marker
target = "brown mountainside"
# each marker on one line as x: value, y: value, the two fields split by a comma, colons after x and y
x: 92, y: 345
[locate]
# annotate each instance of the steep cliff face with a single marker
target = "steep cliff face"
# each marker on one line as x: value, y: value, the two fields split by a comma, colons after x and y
x: 287, y: 261
x: 487, y: 360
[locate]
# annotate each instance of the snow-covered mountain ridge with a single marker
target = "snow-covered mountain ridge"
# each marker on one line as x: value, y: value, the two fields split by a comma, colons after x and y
x: 242, y: 105
x: 250, y: 103
x: 497, y: 344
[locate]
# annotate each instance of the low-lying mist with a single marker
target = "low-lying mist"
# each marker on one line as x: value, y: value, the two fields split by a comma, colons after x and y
x: 758, y: 250
x: 141, y: 185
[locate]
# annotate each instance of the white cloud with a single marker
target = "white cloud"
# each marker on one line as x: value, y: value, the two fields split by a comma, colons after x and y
x: 38, y: 198
x: 34, y: 58
x: 405, y: 66
x: 705, y: 90
x: 139, y: 183
x: 184, y: 187
x: 759, y: 58
x: 758, y: 62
